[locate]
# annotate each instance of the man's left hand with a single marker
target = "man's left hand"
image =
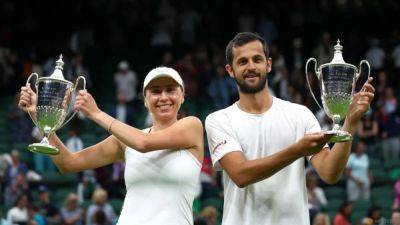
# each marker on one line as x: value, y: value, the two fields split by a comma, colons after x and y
x: 361, y: 102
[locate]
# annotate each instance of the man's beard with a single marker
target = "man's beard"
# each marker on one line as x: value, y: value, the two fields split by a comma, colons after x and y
x: 243, y: 87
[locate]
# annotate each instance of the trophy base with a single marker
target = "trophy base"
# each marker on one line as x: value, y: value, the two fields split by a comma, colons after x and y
x: 43, y: 149
x: 339, y: 135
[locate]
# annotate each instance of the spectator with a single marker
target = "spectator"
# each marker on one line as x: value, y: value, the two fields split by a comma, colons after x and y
x: 376, y: 215
x: 76, y: 69
x: 389, y: 100
x: 21, y: 124
x: 222, y: 88
x: 18, y: 215
x: 5, y: 161
x: 298, y: 55
x: 16, y: 167
x: 99, y: 203
x: 368, y: 132
x: 100, y: 218
x: 375, y: 55
x: 189, y: 73
x: 118, y: 178
x: 316, y: 195
x: 71, y: 213
x: 396, y: 203
x: 359, y: 176
x: 74, y: 142
x: 126, y: 81
x: 122, y: 111
x: 389, y: 125
x: 323, y: 51
x: 343, y: 217
x: 48, y: 209
x: 208, y: 180
x: 267, y: 29
x: 209, y: 213
x: 188, y: 21
x: 396, y: 217
x: 35, y: 218
x: 321, y: 219
x: 18, y: 187
x: 167, y: 59
x: 87, y: 185
x: 383, y: 82
x: 367, y: 221
x: 3, y: 221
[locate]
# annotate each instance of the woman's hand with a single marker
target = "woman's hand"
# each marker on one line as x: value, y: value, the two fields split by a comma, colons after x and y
x: 27, y: 100
x: 86, y: 104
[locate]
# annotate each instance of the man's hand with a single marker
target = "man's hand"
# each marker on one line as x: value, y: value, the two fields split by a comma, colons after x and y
x: 361, y: 102
x: 311, y: 143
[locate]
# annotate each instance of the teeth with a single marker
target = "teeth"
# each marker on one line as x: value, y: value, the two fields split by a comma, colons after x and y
x: 164, y: 106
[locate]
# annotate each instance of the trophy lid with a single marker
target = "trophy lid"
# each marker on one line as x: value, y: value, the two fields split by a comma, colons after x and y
x: 57, y: 74
x: 337, y: 57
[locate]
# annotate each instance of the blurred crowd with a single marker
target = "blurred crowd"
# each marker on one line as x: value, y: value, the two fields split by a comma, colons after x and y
x: 114, y: 43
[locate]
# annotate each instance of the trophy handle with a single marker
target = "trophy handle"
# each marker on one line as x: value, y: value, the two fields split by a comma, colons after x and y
x: 72, y: 102
x: 308, y: 81
x: 36, y: 76
x: 358, y: 74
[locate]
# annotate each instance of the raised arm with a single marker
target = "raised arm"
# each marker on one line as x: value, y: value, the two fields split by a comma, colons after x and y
x: 330, y: 164
x: 101, y: 154
x: 186, y: 133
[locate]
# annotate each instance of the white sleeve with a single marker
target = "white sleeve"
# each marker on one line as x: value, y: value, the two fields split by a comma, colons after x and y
x: 312, y: 126
x: 220, y: 138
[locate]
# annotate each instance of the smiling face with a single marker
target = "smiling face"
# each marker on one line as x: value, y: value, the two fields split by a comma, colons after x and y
x: 250, y: 67
x: 163, y: 98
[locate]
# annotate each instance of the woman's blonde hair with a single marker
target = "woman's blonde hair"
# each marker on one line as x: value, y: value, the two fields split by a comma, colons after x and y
x: 322, y: 216
x: 99, y: 196
x: 70, y: 199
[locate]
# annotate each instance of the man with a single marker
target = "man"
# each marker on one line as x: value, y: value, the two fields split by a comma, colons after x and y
x: 261, y: 142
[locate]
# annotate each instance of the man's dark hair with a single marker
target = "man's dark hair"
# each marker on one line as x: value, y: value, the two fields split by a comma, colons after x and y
x: 241, y: 39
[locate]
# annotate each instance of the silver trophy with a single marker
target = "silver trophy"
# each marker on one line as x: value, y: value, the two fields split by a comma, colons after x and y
x: 55, y: 101
x: 337, y: 81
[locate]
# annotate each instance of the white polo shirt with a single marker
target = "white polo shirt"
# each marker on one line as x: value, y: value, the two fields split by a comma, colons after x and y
x: 280, y: 199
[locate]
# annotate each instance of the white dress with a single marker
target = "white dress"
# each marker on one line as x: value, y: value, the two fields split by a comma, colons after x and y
x: 161, y: 186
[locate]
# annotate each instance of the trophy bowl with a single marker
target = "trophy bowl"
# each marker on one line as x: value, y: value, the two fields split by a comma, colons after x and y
x: 337, y: 81
x: 55, y: 98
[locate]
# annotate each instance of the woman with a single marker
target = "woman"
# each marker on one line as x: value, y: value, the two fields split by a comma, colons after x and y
x: 358, y: 173
x: 344, y: 215
x: 19, y: 213
x: 321, y: 219
x: 71, y: 213
x: 315, y: 194
x: 163, y: 162
x: 99, y: 203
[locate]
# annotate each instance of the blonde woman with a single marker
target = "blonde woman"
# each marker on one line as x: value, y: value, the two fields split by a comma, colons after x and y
x: 71, y: 213
x: 163, y: 162
x: 99, y: 203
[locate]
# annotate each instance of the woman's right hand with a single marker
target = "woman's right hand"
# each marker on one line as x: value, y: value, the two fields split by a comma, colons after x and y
x: 27, y: 99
